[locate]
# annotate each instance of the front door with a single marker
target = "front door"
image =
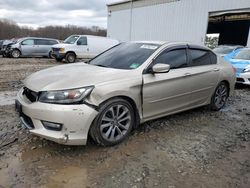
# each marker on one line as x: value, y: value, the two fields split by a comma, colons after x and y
x: 165, y: 93
x: 28, y: 47
x: 82, y: 48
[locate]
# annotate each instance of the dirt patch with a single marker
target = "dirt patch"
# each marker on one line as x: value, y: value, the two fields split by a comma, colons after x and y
x: 197, y: 148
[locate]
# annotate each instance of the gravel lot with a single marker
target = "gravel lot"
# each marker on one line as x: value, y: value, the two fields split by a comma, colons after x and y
x: 198, y: 148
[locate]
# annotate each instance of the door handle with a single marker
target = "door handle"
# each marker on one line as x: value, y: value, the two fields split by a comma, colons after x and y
x: 187, y: 74
x: 216, y: 69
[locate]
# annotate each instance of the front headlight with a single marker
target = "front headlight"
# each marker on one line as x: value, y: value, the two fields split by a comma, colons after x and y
x: 247, y: 69
x: 71, y: 96
x: 61, y: 49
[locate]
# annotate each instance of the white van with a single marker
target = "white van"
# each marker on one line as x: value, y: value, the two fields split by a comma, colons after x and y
x: 82, y: 47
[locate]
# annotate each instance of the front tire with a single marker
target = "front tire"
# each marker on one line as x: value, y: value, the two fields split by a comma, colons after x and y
x: 114, y: 122
x: 70, y: 57
x: 220, y: 97
x: 15, y: 53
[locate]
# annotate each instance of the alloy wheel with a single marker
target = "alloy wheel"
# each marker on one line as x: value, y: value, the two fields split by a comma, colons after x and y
x: 221, y: 95
x: 15, y: 54
x: 115, y: 123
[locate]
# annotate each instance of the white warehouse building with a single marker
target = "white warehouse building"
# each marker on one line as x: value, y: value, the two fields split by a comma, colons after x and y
x: 180, y: 20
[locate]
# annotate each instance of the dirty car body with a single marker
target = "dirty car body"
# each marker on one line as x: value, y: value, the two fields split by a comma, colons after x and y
x: 129, y: 84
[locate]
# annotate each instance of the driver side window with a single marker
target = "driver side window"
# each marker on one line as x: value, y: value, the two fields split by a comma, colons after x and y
x: 175, y: 58
x: 28, y: 42
x: 82, y: 41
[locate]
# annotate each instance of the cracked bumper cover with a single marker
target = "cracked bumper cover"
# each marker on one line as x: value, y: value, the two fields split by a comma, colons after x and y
x: 76, y: 120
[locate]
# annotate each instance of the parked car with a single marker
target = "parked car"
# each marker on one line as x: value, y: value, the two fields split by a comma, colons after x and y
x: 1, y: 45
x: 223, y: 50
x: 241, y: 61
x: 131, y: 83
x: 31, y: 46
x: 82, y: 46
x: 5, y: 44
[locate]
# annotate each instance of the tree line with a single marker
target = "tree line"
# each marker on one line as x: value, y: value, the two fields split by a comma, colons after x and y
x: 9, y: 29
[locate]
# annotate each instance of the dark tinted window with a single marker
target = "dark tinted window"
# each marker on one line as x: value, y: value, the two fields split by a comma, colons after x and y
x: 176, y: 58
x: 45, y: 42
x: 213, y: 58
x: 200, y: 57
x: 82, y: 41
x: 125, y: 55
x: 41, y: 42
x: 52, y: 42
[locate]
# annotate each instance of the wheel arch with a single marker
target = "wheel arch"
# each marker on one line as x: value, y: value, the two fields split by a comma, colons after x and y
x: 70, y: 52
x: 132, y: 102
x: 228, y: 85
x: 18, y: 50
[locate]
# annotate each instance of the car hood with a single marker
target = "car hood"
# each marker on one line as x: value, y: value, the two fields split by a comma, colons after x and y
x: 62, y: 45
x: 74, y: 76
x: 240, y: 63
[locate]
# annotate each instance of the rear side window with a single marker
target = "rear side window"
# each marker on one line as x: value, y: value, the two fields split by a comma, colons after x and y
x: 202, y: 57
x: 28, y: 42
x: 82, y: 41
x: 176, y: 58
x: 52, y: 42
x: 213, y: 58
x: 41, y: 42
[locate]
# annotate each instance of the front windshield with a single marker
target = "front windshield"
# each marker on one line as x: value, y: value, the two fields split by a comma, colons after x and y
x: 243, y: 54
x: 224, y: 50
x: 71, y: 40
x: 125, y: 55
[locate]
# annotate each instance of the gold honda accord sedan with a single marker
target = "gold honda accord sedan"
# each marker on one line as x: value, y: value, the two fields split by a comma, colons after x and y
x: 128, y: 84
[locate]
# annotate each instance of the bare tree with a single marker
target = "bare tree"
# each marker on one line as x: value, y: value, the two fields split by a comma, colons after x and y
x: 9, y: 29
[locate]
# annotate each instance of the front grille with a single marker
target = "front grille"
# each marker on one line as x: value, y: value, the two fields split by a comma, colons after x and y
x: 55, y: 49
x: 240, y: 80
x: 31, y: 95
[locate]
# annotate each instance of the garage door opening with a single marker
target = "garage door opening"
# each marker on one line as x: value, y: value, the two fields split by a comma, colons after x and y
x: 231, y: 27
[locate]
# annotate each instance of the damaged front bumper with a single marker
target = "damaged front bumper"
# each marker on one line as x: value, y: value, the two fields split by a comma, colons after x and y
x: 75, y: 120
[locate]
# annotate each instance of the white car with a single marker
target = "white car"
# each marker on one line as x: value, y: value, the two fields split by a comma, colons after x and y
x: 132, y: 83
x: 82, y: 47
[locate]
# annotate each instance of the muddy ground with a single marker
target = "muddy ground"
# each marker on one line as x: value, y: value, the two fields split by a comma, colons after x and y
x: 198, y: 148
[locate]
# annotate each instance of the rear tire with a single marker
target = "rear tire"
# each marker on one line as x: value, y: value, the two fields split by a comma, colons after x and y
x: 220, y: 97
x: 114, y: 122
x: 15, y: 53
x: 70, y: 57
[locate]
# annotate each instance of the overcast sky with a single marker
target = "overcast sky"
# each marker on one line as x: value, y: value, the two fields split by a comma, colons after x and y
x: 35, y: 13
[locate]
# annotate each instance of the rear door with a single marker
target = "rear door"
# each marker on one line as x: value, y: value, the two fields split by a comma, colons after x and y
x: 82, y: 48
x: 204, y: 74
x: 28, y: 47
x: 42, y: 47
x: 165, y: 93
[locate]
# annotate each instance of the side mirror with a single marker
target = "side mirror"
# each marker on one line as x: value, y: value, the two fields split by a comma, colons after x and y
x: 161, y: 68
x: 78, y: 43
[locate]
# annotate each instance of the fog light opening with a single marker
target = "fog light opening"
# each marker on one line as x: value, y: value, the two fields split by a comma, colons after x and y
x: 52, y: 126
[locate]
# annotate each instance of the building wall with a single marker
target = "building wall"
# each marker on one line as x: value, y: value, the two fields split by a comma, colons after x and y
x: 182, y: 20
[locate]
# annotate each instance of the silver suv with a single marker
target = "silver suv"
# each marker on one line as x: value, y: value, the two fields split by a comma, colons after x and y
x: 31, y: 46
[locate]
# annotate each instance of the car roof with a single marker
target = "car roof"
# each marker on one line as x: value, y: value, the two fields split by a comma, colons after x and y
x: 173, y: 44
x: 36, y: 38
